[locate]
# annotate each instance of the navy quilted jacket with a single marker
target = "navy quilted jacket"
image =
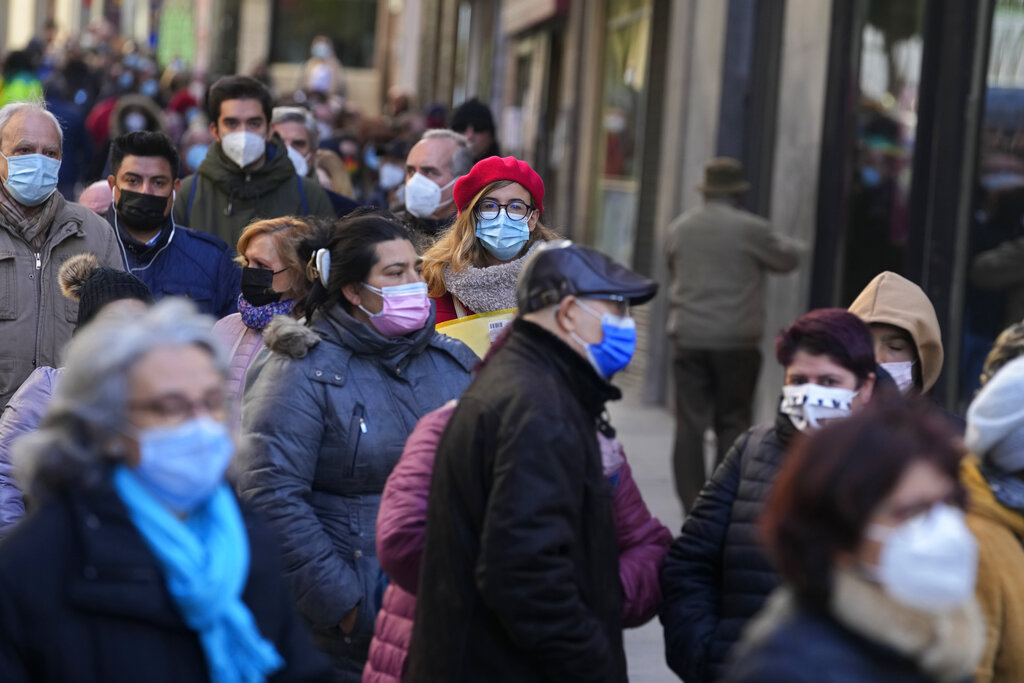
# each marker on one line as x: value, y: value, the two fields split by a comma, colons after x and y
x: 716, y: 574
x: 325, y: 415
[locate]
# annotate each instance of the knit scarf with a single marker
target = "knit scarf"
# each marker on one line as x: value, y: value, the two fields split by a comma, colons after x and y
x: 488, y: 289
x: 1007, y: 488
x: 258, y: 317
x: 31, y: 223
x: 205, y: 560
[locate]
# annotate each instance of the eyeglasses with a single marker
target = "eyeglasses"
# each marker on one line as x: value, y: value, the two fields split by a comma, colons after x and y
x: 175, y: 408
x: 621, y: 303
x: 516, y: 210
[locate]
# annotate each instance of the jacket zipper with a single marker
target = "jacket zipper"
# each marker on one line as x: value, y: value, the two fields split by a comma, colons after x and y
x: 39, y: 305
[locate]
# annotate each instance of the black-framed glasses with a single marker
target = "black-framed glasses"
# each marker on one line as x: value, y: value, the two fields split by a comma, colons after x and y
x: 516, y: 210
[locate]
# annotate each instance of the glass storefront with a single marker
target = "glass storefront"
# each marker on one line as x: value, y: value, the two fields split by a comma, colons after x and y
x: 994, y: 296
x: 627, y: 43
x: 877, y: 223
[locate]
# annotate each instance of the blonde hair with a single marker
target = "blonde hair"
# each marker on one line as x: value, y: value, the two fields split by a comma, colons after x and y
x: 458, y: 247
x: 286, y: 233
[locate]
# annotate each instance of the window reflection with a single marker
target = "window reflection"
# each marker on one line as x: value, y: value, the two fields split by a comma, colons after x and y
x: 627, y: 40
x: 890, y: 67
x: 994, y: 297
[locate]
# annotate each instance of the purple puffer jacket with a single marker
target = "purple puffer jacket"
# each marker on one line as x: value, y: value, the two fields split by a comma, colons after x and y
x: 243, y: 343
x: 401, y: 523
x: 22, y: 415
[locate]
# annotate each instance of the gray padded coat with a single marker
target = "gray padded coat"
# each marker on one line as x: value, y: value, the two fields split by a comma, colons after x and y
x: 325, y: 415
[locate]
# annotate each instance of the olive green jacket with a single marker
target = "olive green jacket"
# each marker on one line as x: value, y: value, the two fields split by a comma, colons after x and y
x: 222, y: 199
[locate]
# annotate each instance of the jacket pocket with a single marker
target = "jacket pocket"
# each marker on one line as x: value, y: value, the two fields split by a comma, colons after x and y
x: 8, y: 286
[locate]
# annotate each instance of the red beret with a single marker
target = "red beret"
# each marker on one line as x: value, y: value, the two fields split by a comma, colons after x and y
x: 493, y: 169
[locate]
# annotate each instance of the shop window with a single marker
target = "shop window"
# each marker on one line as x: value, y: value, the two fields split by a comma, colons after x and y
x: 994, y: 295
x: 627, y: 43
x: 877, y: 220
x: 351, y: 24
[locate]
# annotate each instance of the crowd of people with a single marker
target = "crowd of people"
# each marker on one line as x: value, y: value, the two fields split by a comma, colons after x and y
x: 246, y: 435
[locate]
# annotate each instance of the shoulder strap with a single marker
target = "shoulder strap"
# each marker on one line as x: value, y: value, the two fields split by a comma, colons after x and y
x: 302, y: 194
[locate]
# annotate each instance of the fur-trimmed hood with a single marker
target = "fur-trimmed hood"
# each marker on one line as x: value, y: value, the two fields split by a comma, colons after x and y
x: 290, y: 337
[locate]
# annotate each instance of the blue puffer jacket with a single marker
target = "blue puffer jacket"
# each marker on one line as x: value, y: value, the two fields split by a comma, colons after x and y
x: 716, y: 575
x: 325, y: 415
x: 183, y: 262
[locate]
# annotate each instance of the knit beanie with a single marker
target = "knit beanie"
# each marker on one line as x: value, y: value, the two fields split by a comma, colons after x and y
x: 493, y: 169
x: 995, y: 419
x: 93, y: 286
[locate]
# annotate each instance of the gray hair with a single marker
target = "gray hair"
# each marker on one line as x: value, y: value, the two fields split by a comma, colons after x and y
x: 298, y: 115
x: 77, y: 434
x: 462, y: 157
x: 8, y: 111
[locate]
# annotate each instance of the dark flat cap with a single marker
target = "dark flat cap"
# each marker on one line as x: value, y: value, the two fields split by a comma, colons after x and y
x: 560, y: 268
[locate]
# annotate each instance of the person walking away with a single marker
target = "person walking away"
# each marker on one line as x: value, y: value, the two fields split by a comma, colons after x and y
x: 866, y: 526
x: 520, y: 574
x: 140, y: 564
x: 718, y: 255
x: 326, y: 412
x: 716, y: 575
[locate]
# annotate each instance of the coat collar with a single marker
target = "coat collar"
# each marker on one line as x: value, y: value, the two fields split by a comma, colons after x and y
x: 361, y: 339
x: 576, y: 373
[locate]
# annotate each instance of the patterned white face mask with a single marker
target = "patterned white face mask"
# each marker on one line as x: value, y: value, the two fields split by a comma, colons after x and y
x: 807, y: 405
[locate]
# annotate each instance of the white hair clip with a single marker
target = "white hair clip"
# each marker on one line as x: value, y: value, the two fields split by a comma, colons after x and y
x: 323, y: 265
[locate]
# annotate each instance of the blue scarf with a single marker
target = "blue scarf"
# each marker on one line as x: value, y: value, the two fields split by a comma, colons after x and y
x: 205, y: 559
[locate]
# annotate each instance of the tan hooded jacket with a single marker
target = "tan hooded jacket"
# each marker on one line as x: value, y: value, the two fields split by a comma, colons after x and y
x: 895, y: 300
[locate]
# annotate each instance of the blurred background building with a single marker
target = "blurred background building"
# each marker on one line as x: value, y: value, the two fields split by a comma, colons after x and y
x: 887, y: 134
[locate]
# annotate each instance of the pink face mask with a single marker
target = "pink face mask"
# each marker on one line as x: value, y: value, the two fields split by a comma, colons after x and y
x: 406, y: 309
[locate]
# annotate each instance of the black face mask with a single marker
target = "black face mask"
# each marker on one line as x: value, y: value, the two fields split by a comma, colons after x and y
x: 143, y: 212
x: 256, y: 284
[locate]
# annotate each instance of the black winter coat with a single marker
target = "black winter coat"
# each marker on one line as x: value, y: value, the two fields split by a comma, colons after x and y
x: 716, y: 575
x: 82, y: 598
x: 815, y: 648
x: 519, y: 580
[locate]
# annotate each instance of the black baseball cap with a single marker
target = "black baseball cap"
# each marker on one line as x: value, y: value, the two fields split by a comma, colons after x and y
x: 559, y: 268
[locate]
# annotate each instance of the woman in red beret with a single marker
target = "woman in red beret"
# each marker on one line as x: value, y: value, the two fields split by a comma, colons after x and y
x: 474, y: 266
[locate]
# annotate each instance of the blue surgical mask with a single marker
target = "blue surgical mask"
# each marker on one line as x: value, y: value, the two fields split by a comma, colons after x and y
x: 617, y: 347
x: 182, y: 466
x: 31, y: 178
x: 501, y: 236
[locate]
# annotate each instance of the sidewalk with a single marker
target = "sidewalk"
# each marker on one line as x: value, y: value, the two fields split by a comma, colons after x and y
x: 647, y: 433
